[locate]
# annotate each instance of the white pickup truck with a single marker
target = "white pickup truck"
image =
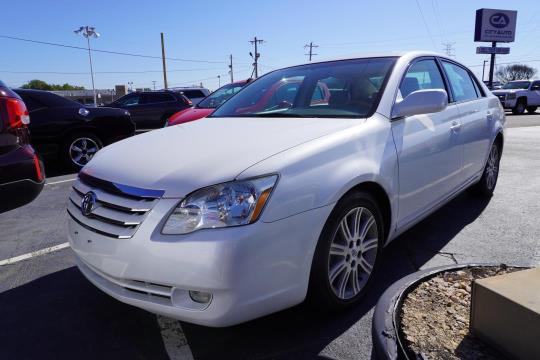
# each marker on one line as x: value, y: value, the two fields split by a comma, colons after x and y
x: 520, y: 95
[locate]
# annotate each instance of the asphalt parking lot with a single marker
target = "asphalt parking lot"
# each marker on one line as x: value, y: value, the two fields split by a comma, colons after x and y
x: 48, y: 310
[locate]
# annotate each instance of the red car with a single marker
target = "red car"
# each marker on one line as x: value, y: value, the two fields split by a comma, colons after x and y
x: 206, y: 106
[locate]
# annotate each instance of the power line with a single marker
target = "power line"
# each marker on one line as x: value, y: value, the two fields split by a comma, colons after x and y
x: 310, y: 46
x: 105, y: 72
x: 107, y: 51
x: 425, y: 23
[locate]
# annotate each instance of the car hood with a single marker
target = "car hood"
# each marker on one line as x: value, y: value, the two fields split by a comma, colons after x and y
x: 188, y: 115
x: 184, y: 158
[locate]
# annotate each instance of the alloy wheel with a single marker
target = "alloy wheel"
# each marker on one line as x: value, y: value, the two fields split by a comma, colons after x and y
x: 82, y: 150
x: 492, y: 167
x: 353, y: 252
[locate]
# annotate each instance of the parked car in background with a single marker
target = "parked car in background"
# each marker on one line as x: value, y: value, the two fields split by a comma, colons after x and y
x: 151, y: 109
x: 496, y: 85
x: 207, y: 105
x: 64, y: 129
x: 520, y: 95
x: 272, y: 199
x: 195, y: 94
x: 21, y: 171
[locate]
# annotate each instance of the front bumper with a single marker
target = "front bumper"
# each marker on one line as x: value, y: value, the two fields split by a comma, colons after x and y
x: 251, y: 271
x: 507, y: 103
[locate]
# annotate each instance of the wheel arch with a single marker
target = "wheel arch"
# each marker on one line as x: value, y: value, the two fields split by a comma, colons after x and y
x: 381, y: 197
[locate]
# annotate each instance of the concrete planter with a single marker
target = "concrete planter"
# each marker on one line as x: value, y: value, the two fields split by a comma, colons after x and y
x: 388, y: 342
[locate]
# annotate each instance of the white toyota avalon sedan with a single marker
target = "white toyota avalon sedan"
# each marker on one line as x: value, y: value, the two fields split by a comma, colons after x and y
x: 290, y: 190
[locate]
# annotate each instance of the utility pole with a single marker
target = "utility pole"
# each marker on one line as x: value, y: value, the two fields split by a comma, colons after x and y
x: 484, y: 69
x: 231, y: 68
x: 87, y: 32
x: 448, y: 48
x: 164, y: 64
x: 154, y: 82
x: 219, y: 81
x: 310, y: 46
x: 255, y: 57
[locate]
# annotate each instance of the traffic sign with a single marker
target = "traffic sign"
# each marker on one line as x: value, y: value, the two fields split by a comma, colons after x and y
x: 492, y: 50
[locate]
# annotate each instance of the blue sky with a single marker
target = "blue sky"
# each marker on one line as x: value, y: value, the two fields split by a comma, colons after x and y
x: 210, y: 30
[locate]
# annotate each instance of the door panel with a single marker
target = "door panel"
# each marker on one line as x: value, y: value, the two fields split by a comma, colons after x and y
x: 428, y: 146
x: 429, y: 155
x: 475, y: 135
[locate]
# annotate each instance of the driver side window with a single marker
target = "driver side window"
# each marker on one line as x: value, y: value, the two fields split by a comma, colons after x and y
x: 423, y: 74
x: 130, y: 101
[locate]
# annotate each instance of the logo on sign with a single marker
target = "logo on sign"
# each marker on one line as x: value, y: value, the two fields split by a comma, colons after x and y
x: 499, y: 20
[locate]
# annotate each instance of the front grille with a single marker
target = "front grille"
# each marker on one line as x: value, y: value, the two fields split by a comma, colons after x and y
x: 118, y: 211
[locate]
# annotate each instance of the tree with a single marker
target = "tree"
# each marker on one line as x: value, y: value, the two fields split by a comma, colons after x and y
x: 42, y: 85
x: 515, y: 72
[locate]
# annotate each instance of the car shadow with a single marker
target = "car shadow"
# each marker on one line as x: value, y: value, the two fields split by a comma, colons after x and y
x: 61, y: 315
x: 302, y: 332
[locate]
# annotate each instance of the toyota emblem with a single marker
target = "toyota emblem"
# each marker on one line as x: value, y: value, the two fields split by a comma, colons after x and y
x: 88, y: 202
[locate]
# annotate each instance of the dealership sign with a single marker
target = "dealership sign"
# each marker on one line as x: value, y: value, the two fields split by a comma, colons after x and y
x: 495, y: 25
x: 492, y: 50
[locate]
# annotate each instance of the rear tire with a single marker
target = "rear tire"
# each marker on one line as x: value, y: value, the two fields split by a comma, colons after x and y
x: 79, y: 148
x: 348, y: 253
x: 487, y: 183
x: 531, y: 109
x: 520, y: 107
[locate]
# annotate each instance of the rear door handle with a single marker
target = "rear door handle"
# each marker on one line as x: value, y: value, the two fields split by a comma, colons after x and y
x: 455, y: 126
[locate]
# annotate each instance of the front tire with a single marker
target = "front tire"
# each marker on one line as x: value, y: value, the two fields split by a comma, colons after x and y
x: 520, y: 107
x: 79, y: 149
x: 348, y: 253
x: 487, y: 183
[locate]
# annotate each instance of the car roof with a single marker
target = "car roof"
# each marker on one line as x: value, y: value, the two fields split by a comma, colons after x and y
x: 398, y: 54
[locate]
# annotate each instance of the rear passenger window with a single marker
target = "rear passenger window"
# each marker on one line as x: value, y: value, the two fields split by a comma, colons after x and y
x: 153, y: 98
x: 461, y: 83
x: 423, y: 74
x: 193, y: 93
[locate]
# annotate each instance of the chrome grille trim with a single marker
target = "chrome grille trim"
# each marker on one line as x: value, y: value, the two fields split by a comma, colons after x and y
x: 114, y: 215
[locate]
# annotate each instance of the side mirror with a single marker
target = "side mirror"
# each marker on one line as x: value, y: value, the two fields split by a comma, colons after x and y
x: 535, y: 87
x: 421, y: 102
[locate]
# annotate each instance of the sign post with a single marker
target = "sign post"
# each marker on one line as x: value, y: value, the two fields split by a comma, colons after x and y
x: 494, y: 26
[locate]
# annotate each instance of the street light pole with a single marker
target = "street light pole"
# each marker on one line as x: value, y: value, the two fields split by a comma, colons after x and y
x: 87, y: 32
x: 219, y: 81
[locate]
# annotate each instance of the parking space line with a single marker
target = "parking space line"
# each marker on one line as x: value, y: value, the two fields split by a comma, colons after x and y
x: 34, y: 254
x: 60, y: 181
x: 174, y: 339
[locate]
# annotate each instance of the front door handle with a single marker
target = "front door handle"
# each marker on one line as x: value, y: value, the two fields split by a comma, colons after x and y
x: 455, y: 126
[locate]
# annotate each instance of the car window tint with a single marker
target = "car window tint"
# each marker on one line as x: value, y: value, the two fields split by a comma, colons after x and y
x: 153, y: 98
x: 460, y: 82
x: 129, y: 100
x: 347, y: 88
x: 193, y: 93
x: 423, y: 74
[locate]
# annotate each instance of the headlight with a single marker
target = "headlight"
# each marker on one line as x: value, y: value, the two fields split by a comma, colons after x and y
x: 511, y: 96
x: 229, y: 204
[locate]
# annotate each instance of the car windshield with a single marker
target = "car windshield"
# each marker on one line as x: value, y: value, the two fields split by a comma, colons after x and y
x: 219, y: 96
x: 517, y: 85
x: 347, y: 88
